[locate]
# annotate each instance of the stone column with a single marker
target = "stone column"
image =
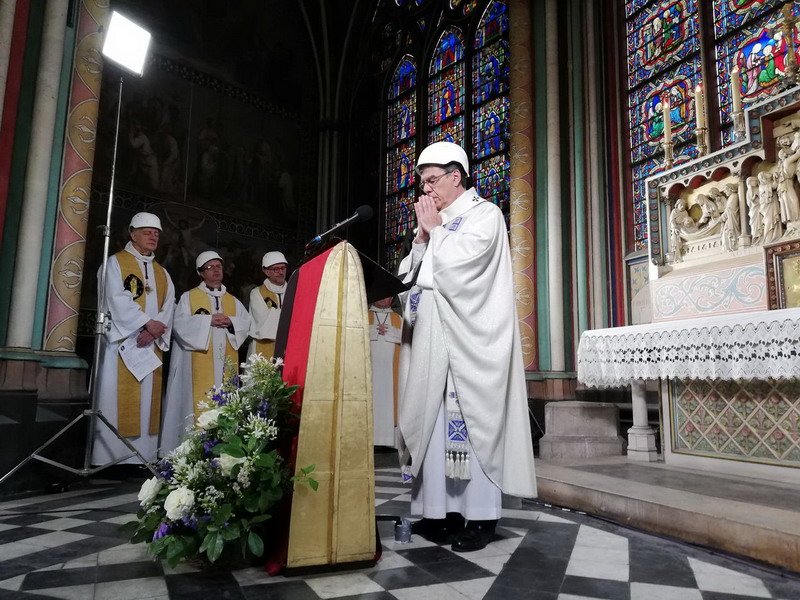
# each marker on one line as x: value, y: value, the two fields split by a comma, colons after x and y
x: 522, y: 216
x: 641, y: 437
x: 34, y: 199
x: 7, y: 10
x: 555, y: 258
x: 745, y: 239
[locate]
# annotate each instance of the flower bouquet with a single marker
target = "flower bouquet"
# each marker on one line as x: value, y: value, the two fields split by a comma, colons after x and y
x: 214, y: 493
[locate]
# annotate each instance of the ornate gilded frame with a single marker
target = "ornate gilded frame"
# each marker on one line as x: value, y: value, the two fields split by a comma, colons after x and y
x: 783, y: 274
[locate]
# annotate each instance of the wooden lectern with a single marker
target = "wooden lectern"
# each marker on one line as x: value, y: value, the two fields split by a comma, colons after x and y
x: 324, y: 339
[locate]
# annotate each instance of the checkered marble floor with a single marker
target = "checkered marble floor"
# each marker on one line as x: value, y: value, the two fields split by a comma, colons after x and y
x: 68, y: 546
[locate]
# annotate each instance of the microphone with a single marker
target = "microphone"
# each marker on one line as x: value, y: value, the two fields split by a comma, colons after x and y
x: 362, y: 213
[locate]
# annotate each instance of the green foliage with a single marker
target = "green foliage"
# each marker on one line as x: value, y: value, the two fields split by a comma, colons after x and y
x: 215, y: 492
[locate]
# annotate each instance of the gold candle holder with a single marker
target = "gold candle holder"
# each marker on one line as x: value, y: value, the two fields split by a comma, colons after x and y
x: 739, y: 129
x: 668, y: 158
x: 702, y: 145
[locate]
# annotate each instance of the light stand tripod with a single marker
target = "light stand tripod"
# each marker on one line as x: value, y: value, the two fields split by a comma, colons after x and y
x: 101, y: 325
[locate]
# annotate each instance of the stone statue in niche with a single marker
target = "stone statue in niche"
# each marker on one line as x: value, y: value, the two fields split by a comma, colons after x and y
x: 768, y: 206
x: 756, y: 222
x: 730, y: 217
x: 788, y: 157
x: 680, y: 224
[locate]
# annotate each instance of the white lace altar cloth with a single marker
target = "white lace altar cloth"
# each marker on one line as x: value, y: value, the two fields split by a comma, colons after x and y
x: 756, y: 345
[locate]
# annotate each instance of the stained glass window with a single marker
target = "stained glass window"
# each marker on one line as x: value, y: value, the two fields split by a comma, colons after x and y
x: 663, y: 46
x: 401, y: 130
x: 466, y: 102
x: 747, y: 35
x: 490, y: 165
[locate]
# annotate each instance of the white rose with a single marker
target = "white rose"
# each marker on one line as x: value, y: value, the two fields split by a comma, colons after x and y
x: 227, y: 462
x: 179, y: 503
x: 149, y: 490
x: 184, y: 449
x: 208, y: 419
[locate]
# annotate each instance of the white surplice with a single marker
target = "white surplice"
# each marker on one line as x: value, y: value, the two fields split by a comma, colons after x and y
x: 195, y: 333
x: 265, y: 319
x: 127, y: 320
x: 383, y: 348
x: 465, y: 324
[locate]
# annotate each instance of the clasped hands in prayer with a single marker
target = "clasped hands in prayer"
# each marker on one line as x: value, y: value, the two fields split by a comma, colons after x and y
x: 427, y: 218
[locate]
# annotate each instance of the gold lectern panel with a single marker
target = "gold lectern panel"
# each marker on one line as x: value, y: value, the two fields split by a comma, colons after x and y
x: 336, y: 524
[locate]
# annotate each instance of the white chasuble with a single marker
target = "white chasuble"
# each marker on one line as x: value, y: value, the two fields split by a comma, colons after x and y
x: 196, y: 339
x: 385, y: 328
x: 466, y: 327
x: 126, y: 322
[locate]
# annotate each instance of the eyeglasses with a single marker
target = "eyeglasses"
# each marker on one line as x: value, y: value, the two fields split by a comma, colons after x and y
x: 432, y: 181
x: 211, y: 267
x: 275, y: 269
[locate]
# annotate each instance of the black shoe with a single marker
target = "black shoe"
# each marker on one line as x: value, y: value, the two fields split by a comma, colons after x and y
x: 439, y: 531
x: 476, y: 536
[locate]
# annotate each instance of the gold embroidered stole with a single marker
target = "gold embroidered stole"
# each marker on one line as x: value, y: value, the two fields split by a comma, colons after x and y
x: 128, y: 389
x: 271, y: 299
x: 203, y: 360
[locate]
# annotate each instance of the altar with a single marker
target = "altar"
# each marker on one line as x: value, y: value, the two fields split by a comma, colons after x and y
x: 718, y: 337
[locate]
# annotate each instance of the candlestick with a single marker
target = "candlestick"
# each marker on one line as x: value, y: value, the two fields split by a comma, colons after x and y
x: 736, y: 90
x: 699, y: 107
x: 667, y: 120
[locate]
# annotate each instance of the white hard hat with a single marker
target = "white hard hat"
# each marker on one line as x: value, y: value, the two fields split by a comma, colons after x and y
x: 206, y: 256
x: 273, y: 258
x: 144, y: 219
x: 442, y: 154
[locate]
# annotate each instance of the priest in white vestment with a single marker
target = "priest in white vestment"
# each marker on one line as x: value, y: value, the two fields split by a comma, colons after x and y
x: 385, y: 331
x: 140, y: 300
x: 210, y: 326
x: 463, y: 397
x: 266, y: 302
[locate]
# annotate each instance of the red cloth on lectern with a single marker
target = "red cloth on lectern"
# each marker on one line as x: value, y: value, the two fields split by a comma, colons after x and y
x: 295, y: 363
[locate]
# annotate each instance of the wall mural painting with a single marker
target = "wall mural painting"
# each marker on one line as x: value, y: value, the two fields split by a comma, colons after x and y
x: 185, y: 143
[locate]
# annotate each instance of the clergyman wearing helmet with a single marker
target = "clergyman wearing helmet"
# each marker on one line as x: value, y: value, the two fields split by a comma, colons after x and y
x: 463, y: 399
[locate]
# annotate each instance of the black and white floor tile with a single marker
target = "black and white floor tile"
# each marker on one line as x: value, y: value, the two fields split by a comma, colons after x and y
x: 68, y: 546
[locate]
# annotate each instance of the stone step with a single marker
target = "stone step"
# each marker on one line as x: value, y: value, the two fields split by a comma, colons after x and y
x: 755, y: 518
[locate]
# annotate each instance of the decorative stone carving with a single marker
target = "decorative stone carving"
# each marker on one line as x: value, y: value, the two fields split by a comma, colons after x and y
x: 788, y: 157
x: 731, y: 229
x: 771, y: 228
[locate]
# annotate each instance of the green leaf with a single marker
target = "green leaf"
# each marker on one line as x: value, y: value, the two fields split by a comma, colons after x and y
x: 255, y: 543
x: 208, y: 541
x: 308, y: 469
x: 231, y: 532
x: 129, y: 528
x: 313, y: 484
x: 222, y: 514
x: 215, y: 550
x: 143, y: 535
x: 259, y: 519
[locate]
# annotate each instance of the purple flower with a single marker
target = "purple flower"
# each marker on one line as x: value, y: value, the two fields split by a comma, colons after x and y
x: 215, y: 463
x: 165, y: 469
x: 190, y: 522
x: 208, y: 445
x: 220, y: 397
x: 162, y: 530
x: 263, y: 409
x: 236, y: 381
